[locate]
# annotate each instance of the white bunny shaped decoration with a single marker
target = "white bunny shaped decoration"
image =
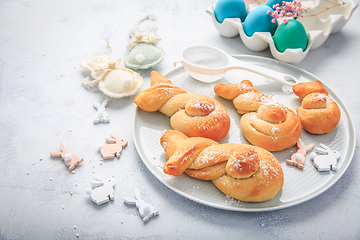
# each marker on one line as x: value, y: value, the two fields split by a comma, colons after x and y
x: 298, y: 158
x: 101, y: 115
x: 146, y: 210
x: 325, y: 162
x: 103, y: 191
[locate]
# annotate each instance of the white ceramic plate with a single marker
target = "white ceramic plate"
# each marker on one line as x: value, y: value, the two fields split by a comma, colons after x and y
x: 299, y: 186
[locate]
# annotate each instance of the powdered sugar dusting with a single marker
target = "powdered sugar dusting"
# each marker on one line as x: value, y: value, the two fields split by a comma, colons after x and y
x: 248, y: 161
x: 243, y: 87
x: 214, y: 118
x: 210, y: 157
x: 268, y: 169
x: 274, y: 130
x: 203, y: 105
x: 322, y: 97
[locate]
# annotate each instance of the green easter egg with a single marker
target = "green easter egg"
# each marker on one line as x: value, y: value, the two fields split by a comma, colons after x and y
x: 290, y: 35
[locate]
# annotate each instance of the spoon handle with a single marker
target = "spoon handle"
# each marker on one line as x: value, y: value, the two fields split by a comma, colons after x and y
x: 285, y: 79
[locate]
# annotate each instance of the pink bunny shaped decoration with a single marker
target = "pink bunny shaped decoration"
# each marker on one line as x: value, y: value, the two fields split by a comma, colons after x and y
x: 298, y: 158
x: 71, y: 160
x: 114, y: 149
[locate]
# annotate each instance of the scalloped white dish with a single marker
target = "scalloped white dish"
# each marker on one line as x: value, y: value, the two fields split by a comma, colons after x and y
x: 300, y: 185
x: 318, y: 29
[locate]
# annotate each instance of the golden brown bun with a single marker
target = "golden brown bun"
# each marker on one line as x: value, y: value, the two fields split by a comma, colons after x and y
x: 194, y: 115
x: 245, y: 97
x: 159, y: 92
x: 265, y: 122
x: 263, y: 185
x: 156, y: 78
x: 170, y: 142
x: 244, y: 172
x: 243, y: 163
x: 184, y: 153
x: 273, y: 127
x: 318, y: 113
x: 250, y: 102
x: 303, y: 89
x: 231, y: 91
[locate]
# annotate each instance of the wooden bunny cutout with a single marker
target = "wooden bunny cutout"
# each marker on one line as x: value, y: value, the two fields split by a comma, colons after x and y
x: 326, y: 162
x: 103, y: 191
x: 298, y: 158
x: 146, y: 210
x: 114, y: 149
x: 101, y: 115
x: 71, y: 160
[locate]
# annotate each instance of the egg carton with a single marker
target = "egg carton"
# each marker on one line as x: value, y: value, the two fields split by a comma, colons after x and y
x: 329, y: 19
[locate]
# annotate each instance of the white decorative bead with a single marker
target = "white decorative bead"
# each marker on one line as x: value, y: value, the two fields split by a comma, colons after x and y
x: 67, y: 156
x: 128, y: 82
x: 88, y: 191
x: 139, y: 58
x: 313, y: 155
x: 147, y: 209
x: 298, y: 156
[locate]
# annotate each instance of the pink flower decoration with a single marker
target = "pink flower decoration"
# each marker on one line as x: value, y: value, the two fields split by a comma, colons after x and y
x: 287, y: 9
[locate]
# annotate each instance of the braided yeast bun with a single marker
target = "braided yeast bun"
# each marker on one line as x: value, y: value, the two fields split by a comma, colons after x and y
x: 305, y: 88
x: 244, y: 172
x: 159, y: 92
x: 245, y: 97
x: 274, y: 127
x: 265, y: 122
x: 193, y: 114
x: 318, y: 112
x: 231, y: 91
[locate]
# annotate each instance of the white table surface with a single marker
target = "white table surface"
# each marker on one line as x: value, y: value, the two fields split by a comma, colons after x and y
x: 43, y: 103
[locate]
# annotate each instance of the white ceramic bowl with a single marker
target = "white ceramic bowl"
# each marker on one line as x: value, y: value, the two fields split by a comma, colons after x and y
x: 318, y: 29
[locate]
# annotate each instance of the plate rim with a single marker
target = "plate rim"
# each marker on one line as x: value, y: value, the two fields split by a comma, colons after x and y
x: 348, y: 157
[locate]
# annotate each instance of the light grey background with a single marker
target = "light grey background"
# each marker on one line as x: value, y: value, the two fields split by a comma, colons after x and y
x: 43, y: 103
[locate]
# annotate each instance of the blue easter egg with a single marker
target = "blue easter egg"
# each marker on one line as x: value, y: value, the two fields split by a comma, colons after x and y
x: 271, y: 3
x: 259, y: 21
x: 230, y: 9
